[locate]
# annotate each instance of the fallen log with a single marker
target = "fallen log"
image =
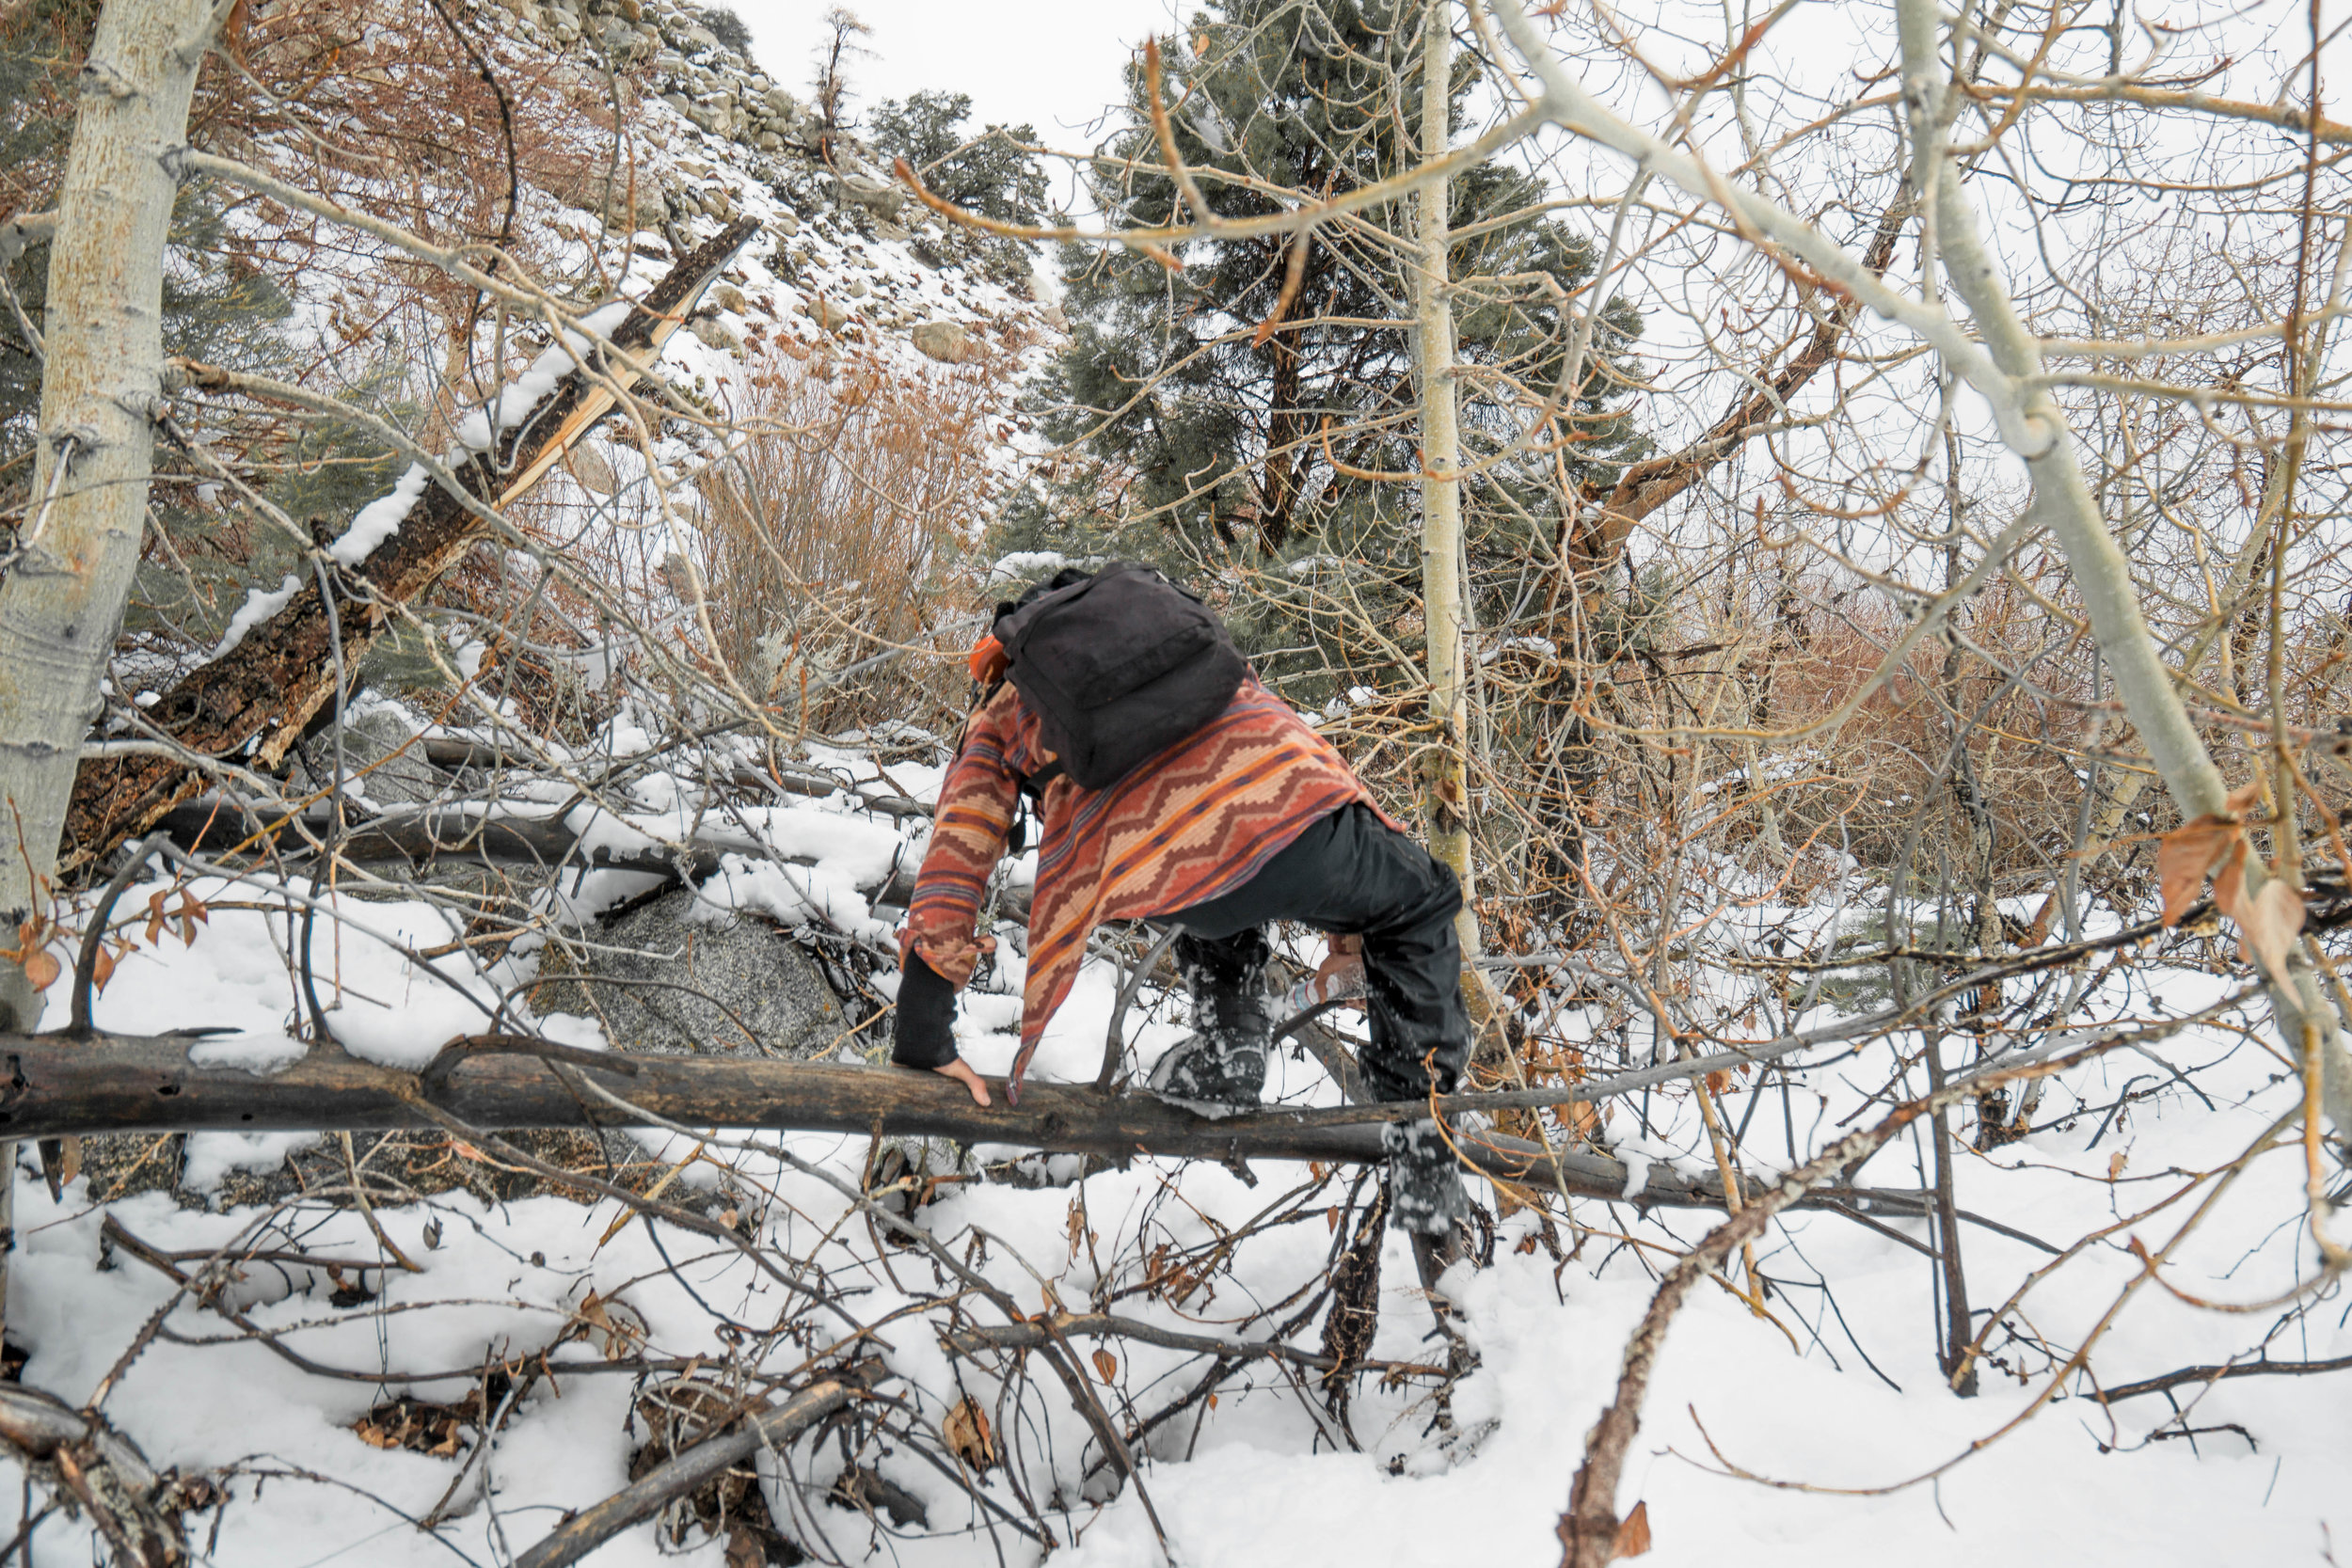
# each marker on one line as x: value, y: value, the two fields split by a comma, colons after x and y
x: 264, y: 691
x: 429, y: 837
x: 451, y: 753
x: 60, y: 1086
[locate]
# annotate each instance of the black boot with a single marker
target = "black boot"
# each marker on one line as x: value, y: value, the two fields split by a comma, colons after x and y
x: 1220, y: 1068
x: 1425, y: 1195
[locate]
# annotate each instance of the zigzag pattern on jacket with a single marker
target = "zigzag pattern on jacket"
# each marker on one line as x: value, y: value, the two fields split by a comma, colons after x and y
x: 1192, y: 823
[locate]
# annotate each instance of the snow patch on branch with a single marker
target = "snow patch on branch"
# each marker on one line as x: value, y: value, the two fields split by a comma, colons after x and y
x: 257, y: 608
x: 514, y: 403
x: 379, y: 519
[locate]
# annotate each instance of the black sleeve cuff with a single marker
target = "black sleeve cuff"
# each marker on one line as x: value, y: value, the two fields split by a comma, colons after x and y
x: 925, y: 1036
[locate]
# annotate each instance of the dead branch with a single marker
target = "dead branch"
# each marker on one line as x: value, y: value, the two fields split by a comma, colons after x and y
x: 2207, y: 1376
x: 269, y: 686
x: 102, y: 1470
x: 583, y: 1532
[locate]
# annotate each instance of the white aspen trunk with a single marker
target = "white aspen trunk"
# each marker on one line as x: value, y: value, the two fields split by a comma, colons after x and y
x: 1445, y: 774
x: 2004, y: 363
x: 62, y: 602
x: 1445, y: 771
x: 2102, y: 573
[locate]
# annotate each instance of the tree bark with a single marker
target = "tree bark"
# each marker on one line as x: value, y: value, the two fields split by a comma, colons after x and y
x: 54, y: 1085
x: 592, y: 1528
x: 100, y: 384
x: 129, y: 1502
x: 1445, y: 771
x: 265, y: 690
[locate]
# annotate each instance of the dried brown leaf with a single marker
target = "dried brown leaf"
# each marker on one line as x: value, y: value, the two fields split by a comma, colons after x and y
x: 41, y: 969
x: 1633, y: 1535
x: 966, y: 1431
x: 2269, y: 925
x: 1105, y: 1365
x: 2186, y: 854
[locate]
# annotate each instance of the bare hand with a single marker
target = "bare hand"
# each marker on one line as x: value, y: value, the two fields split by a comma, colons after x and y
x: 962, y: 1072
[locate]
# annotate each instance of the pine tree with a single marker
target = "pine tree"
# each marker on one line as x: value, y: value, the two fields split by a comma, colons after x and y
x: 1227, y: 445
x: 991, y: 173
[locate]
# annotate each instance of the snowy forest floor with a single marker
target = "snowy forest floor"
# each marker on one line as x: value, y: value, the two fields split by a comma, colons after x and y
x: 561, y: 1318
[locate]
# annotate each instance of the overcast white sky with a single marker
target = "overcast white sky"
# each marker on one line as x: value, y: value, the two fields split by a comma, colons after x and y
x: 1051, y: 63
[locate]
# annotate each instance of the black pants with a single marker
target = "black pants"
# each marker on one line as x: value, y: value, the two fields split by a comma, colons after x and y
x: 1352, y: 874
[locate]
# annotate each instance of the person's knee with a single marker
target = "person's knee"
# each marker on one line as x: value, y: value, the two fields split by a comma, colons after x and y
x: 1420, y: 889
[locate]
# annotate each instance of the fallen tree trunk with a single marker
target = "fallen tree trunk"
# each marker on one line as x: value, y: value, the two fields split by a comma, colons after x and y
x: 268, y: 688
x: 428, y: 837
x: 59, y: 1086
x: 451, y: 753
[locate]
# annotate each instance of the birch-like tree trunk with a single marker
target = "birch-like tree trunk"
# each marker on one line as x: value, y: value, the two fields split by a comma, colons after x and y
x: 1445, y: 772
x: 101, y: 383
x: 2002, y: 360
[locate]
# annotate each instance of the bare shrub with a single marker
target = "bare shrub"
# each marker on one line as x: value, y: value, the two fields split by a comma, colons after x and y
x: 837, y: 529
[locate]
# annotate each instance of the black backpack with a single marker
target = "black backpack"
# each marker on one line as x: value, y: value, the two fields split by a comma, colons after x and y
x: 1117, y: 665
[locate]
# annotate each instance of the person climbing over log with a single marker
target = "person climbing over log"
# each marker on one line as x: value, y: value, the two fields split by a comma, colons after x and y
x: 1171, y: 785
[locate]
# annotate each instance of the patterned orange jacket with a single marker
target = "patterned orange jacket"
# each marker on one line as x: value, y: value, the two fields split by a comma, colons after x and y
x: 1197, y: 821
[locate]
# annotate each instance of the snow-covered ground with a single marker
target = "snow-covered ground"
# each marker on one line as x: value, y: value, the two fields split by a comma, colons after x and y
x: 1836, y: 1396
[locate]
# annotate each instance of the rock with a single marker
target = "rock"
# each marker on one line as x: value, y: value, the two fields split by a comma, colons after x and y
x: 787, y: 223
x: 767, y: 141
x: 698, y: 36
x: 886, y: 230
x: 723, y: 985
x: 715, y: 333
x: 881, y: 200
x: 946, y: 341
x: 593, y: 469
x: 369, y: 740
x: 857, y: 289
x: 782, y: 105
x: 825, y: 313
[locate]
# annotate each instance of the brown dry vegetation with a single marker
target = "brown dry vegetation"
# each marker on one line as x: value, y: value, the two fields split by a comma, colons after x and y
x: 837, y: 529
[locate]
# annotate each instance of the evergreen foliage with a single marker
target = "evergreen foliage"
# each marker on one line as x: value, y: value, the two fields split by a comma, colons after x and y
x: 728, y: 28
x: 991, y: 174
x: 1223, y: 449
